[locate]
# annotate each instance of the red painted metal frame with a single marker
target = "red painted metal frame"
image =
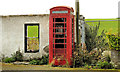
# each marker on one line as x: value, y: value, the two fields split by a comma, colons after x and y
x: 69, y: 48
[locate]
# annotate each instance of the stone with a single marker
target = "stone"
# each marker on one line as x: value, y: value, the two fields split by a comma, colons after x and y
x: 115, y: 58
x: 106, y: 53
x: 26, y: 63
x: 20, y: 63
x: 46, y: 49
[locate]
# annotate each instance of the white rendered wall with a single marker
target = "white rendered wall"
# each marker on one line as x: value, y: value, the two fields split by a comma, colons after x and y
x: 13, y: 33
x: 0, y: 36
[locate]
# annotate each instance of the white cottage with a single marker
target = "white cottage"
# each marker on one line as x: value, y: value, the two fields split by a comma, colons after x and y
x: 13, y: 34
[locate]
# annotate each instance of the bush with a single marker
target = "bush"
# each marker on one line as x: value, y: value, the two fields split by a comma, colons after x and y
x: 84, y: 57
x: 44, y: 59
x: 87, y: 67
x: 18, y: 56
x: 40, y: 61
x: 104, y: 65
x: 8, y: 60
x: 114, y: 42
x: 93, y: 40
x: 95, y: 45
x: 35, y: 62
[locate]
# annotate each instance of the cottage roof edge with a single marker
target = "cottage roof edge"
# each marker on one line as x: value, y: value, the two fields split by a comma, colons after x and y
x: 24, y: 15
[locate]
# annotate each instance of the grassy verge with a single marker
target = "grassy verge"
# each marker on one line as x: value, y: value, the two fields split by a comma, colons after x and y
x: 46, y: 67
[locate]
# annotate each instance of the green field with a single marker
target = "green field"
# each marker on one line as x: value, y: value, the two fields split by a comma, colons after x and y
x: 109, y: 26
x: 32, y: 31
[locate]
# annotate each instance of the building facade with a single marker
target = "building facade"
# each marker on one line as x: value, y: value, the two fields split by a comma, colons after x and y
x: 12, y: 34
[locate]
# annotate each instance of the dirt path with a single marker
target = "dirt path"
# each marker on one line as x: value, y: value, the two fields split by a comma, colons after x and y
x: 6, y: 66
x: 27, y: 67
x: 9, y: 67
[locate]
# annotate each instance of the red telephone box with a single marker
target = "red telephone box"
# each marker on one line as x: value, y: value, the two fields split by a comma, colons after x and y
x: 61, y: 35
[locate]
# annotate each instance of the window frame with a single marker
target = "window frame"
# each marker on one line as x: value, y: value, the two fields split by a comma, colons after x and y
x: 25, y: 36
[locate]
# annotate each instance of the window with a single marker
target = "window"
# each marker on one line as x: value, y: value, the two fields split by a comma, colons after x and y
x: 59, y: 19
x: 31, y: 38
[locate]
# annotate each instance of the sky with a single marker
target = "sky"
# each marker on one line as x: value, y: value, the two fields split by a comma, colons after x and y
x: 88, y: 8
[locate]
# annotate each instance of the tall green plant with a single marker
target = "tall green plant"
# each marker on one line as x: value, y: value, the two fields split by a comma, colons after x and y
x: 95, y: 45
x: 93, y: 40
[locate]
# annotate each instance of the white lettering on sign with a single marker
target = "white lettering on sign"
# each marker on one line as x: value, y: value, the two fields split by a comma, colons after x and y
x: 59, y: 11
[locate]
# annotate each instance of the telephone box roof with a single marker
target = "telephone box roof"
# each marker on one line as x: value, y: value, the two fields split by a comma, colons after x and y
x: 63, y: 7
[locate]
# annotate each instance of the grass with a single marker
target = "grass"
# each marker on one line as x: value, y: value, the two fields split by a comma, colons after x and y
x: 9, y: 66
x: 109, y: 26
x: 32, y: 31
x: 100, y: 19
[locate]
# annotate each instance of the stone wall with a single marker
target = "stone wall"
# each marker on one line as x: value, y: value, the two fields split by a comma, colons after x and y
x: 115, y: 58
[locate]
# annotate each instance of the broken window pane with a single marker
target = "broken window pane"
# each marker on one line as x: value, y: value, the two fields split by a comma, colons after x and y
x: 31, y: 37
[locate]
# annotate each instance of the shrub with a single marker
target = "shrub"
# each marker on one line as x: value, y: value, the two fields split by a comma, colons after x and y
x: 114, y: 42
x: 84, y: 57
x: 78, y: 58
x: 87, y: 67
x: 93, y: 40
x: 44, y: 59
x: 40, y: 61
x: 35, y: 62
x: 104, y: 65
x: 18, y: 56
x: 8, y: 60
x: 95, y: 45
